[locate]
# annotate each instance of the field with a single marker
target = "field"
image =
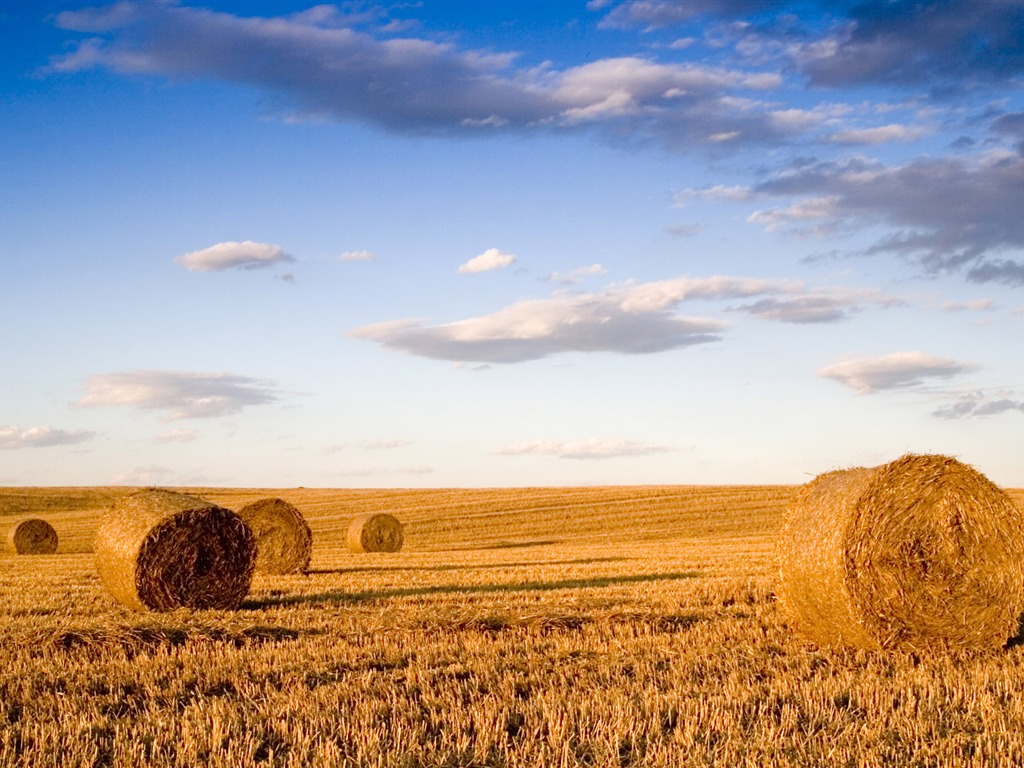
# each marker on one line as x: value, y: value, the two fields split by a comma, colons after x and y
x: 517, y: 627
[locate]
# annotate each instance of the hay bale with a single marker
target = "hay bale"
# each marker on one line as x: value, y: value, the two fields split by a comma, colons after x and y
x: 159, y: 550
x: 284, y: 542
x: 921, y: 553
x: 31, y: 536
x: 378, y: 532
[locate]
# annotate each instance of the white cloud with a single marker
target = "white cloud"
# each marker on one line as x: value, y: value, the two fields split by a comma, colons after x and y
x: 629, y: 318
x: 576, y: 275
x: 975, y: 305
x: 898, y: 370
x: 185, y: 395
x: 819, y: 306
x: 487, y: 261
x: 632, y: 319
x: 803, y: 210
x: 143, y: 476
x: 233, y: 255
x: 584, y: 449
x: 358, y: 256
x: 735, y: 193
x: 177, y: 436
x: 384, y: 445
x: 322, y: 66
x: 13, y: 437
x: 879, y: 135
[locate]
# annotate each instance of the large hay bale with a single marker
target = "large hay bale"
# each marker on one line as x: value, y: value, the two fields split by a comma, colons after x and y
x: 31, y: 536
x: 284, y: 542
x: 377, y: 532
x: 159, y: 550
x: 924, y: 552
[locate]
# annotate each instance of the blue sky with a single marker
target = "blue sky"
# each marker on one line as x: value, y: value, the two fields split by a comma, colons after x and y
x: 475, y: 244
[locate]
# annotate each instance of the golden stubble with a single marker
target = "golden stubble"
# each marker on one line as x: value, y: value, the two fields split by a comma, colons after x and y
x: 527, y: 627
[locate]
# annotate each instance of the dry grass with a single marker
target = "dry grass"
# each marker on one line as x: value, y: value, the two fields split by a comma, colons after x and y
x: 529, y: 627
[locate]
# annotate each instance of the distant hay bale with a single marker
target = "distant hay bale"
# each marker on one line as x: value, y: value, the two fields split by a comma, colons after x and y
x: 284, y: 542
x: 31, y: 536
x: 158, y: 550
x: 378, y: 532
x: 924, y: 552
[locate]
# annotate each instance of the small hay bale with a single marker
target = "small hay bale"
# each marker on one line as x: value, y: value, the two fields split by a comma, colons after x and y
x: 921, y: 553
x: 284, y: 542
x: 31, y: 536
x: 157, y: 550
x: 378, y: 532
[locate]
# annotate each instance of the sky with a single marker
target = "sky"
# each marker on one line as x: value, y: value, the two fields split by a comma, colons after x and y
x: 474, y: 244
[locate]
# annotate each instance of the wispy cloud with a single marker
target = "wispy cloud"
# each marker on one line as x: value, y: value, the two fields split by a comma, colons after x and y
x: 820, y: 306
x: 234, y: 255
x: 13, y: 437
x: 148, y: 475
x: 337, y: 66
x: 584, y: 449
x: 176, y: 436
x: 975, y: 305
x: 878, y: 135
x: 384, y: 445
x: 183, y: 395
x: 630, y: 318
x: 945, y: 213
x: 920, y: 43
x: 656, y: 14
x: 899, y: 370
x: 488, y: 261
x: 577, y: 275
x: 358, y: 256
x: 980, y: 404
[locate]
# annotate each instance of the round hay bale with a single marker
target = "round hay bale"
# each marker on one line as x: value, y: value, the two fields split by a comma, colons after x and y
x: 284, y: 542
x: 378, y: 532
x: 924, y: 552
x: 157, y: 550
x: 31, y: 536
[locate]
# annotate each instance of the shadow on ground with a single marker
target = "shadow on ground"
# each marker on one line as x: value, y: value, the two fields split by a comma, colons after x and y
x: 483, y: 567
x: 338, y: 596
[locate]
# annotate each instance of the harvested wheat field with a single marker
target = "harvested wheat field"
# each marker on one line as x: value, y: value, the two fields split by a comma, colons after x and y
x: 516, y: 627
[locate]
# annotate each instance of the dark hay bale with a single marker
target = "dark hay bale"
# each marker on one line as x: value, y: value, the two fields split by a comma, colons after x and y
x: 924, y: 552
x: 284, y: 542
x: 378, y: 532
x: 159, y: 550
x: 31, y: 536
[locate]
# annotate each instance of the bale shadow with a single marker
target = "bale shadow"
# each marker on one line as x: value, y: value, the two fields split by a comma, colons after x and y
x: 521, y: 544
x: 338, y: 596
x: 443, y: 568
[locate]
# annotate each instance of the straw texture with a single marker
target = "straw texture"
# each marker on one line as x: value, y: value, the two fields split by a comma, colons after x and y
x: 157, y: 550
x: 378, y: 532
x: 284, y: 542
x: 920, y: 553
x: 31, y: 536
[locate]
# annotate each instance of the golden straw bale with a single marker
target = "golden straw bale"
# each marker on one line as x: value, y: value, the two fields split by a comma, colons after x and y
x: 923, y: 552
x: 31, y: 536
x: 159, y: 550
x: 284, y: 542
x: 378, y: 532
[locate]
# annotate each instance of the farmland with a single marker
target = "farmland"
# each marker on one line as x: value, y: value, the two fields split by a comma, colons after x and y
x: 538, y: 627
